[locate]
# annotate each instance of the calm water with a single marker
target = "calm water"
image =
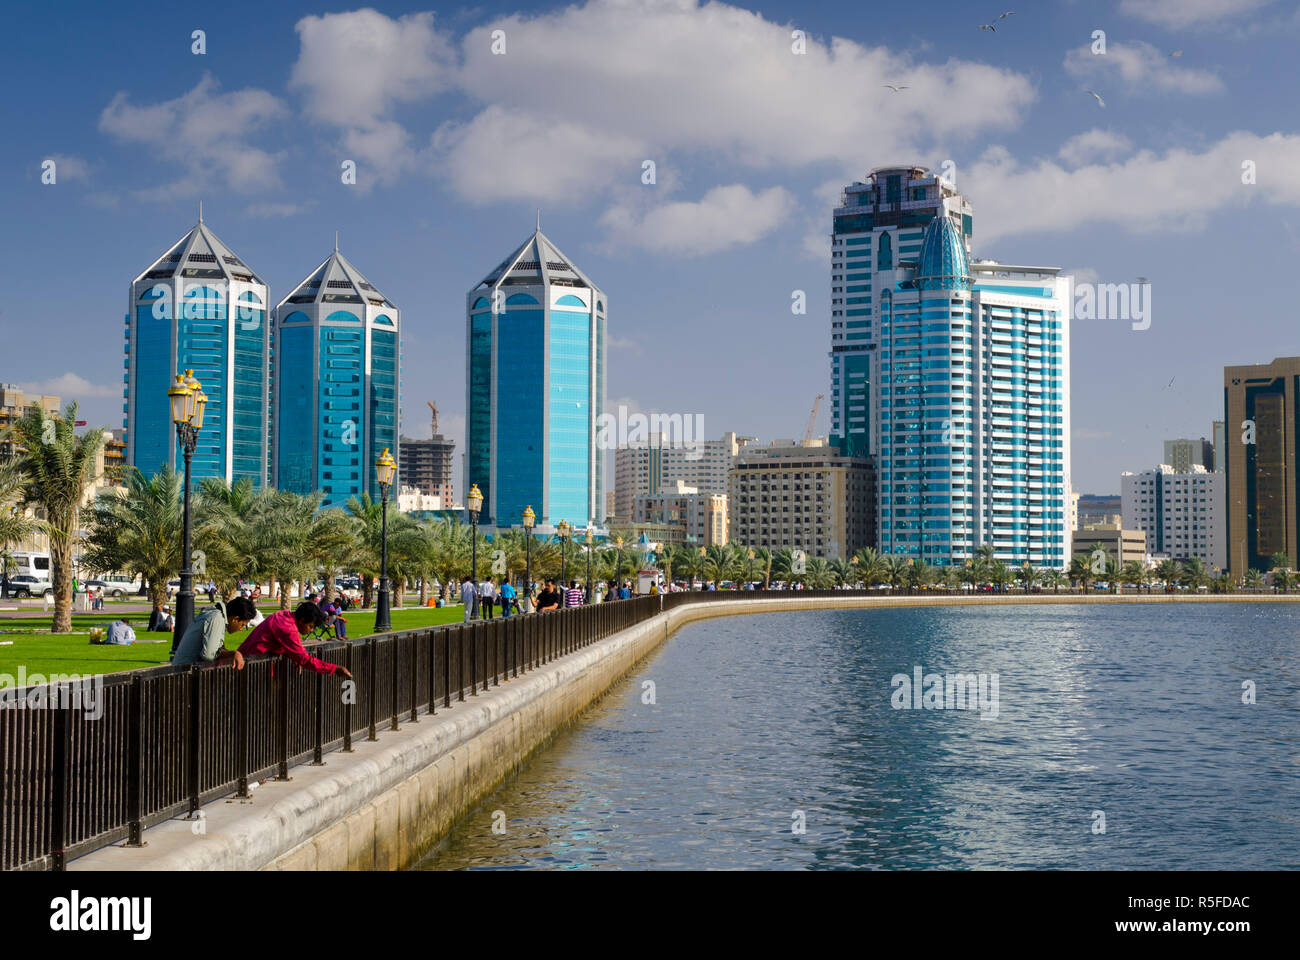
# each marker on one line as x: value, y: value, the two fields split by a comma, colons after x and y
x: 1135, y: 711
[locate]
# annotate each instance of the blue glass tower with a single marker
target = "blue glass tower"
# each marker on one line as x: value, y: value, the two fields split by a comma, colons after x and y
x: 535, y: 388
x: 969, y: 398
x: 336, y: 383
x: 199, y: 307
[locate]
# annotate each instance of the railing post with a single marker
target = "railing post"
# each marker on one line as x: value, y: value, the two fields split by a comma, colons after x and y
x: 396, y: 643
x: 192, y: 767
x: 446, y: 667
x: 283, y: 696
x: 62, y: 737
x: 370, y: 686
x: 460, y: 674
x: 348, y: 703
x: 243, y: 724
x: 477, y: 634
x: 135, y: 763
x: 318, y: 750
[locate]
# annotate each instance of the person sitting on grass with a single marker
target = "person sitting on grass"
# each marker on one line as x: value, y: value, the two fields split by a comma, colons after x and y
x: 204, y: 641
x: 120, y: 633
x: 281, y: 633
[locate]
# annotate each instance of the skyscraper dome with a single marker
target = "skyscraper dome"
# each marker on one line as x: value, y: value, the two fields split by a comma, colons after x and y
x: 942, y: 264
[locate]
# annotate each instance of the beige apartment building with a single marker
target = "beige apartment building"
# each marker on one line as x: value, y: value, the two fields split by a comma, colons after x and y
x: 646, y: 468
x: 704, y: 515
x: 788, y: 495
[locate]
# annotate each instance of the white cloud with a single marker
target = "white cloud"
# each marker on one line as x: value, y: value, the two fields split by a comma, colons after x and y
x: 354, y: 68
x: 204, y: 131
x: 511, y: 155
x: 724, y: 217
x: 1182, y: 13
x: 1095, y: 144
x: 1142, y: 68
x: 70, y: 386
x: 1176, y: 190
x: 717, y: 78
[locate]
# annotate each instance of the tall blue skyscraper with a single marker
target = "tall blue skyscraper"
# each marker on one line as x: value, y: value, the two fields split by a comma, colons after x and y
x: 336, y: 383
x: 878, y: 224
x: 969, y: 405
x: 535, y: 388
x: 199, y: 307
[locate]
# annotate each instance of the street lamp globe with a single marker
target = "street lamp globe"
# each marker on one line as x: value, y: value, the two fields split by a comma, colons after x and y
x: 180, y: 396
x: 530, y: 518
x: 475, y: 501
x: 200, y: 401
x: 385, y: 467
x: 562, y: 529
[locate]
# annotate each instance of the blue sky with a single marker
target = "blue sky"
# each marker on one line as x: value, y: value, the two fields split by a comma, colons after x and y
x: 456, y: 147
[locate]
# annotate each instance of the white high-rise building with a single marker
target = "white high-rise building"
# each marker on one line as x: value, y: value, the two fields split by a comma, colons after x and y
x: 1182, y: 513
x: 969, y: 401
x: 644, y: 468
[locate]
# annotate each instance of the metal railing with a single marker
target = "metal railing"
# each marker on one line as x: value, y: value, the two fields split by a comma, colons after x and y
x: 153, y: 744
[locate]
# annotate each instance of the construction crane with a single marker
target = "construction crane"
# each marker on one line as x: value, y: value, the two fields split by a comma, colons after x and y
x: 435, y: 417
x: 812, y: 420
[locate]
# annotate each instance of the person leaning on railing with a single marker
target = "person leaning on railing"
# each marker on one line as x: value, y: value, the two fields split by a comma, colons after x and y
x: 205, y: 638
x: 281, y: 633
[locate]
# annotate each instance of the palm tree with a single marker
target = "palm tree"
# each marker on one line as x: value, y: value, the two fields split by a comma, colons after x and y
x: 842, y: 571
x: 871, y: 566
x: 138, y: 528
x: 1081, y: 572
x: 329, y: 544
x: 1053, y: 578
x: 763, y: 562
x: 1252, y: 579
x: 58, y: 468
x: 1132, y: 573
x: 15, y: 524
x: 1194, y: 573
x: 1170, y: 572
x: 818, y: 575
x: 224, y: 526
x: 895, y: 570
x: 1026, y: 574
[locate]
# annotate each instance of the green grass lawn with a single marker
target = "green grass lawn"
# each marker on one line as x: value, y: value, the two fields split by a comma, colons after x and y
x: 29, y: 644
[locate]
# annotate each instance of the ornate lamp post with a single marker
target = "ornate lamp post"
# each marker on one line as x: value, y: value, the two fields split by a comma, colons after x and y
x: 564, y: 531
x: 751, y: 568
x: 475, y: 503
x: 187, y: 403
x: 385, y: 467
x: 530, y: 519
x: 588, y: 542
x: 618, y: 566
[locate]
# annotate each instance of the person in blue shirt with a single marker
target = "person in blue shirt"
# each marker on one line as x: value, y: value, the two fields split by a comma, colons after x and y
x: 507, y: 594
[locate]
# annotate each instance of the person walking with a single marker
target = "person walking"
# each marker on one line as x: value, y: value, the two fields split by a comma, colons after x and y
x: 507, y: 596
x: 469, y: 597
x: 205, y: 638
x: 487, y: 595
x: 549, y: 598
x: 573, y: 597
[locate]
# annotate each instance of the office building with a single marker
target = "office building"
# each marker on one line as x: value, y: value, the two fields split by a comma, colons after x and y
x: 14, y: 404
x: 428, y: 465
x: 1181, y: 512
x: 704, y: 515
x: 337, y: 383
x: 879, y: 223
x: 1183, y: 454
x: 199, y: 307
x: 645, y: 467
x: 535, y: 389
x: 1127, y: 545
x: 1260, y: 405
x: 969, y: 401
x: 1220, y: 449
x: 813, y: 498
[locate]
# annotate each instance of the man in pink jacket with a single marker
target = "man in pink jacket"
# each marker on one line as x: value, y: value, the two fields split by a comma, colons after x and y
x: 281, y: 633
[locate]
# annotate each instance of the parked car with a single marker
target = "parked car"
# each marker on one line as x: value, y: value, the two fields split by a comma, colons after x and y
x: 27, y: 585
x: 112, y: 587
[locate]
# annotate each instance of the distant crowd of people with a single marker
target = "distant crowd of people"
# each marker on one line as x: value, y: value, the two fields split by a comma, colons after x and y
x: 480, y: 600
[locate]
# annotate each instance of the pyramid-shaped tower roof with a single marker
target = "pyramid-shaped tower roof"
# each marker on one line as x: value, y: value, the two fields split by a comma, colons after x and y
x: 537, y: 260
x: 336, y: 280
x: 942, y: 264
x: 200, y: 254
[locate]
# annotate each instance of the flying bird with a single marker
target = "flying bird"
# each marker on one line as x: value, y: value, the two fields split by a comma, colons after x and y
x: 1176, y: 53
x: 1009, y: 13
x: 1171, y: 381
x: 895, y: 88
x: 988, y: 26
x: 1100, y: 101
